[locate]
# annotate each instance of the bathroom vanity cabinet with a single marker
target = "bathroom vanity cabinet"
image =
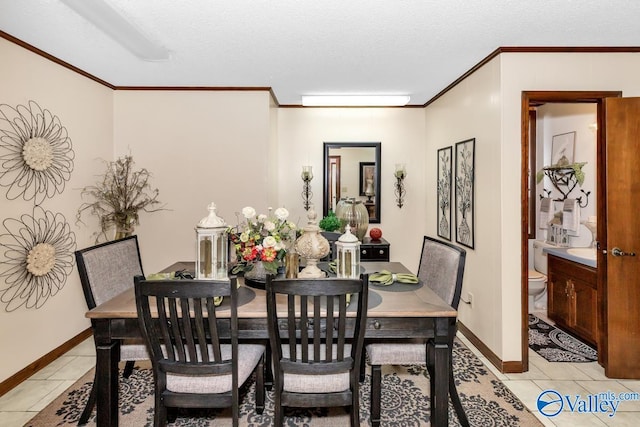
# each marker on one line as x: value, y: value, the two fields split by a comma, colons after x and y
x: 573, y: 297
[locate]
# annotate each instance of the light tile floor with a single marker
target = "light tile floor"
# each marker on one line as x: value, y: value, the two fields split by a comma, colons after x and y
x: 583, y: 379
x: 22, y: 403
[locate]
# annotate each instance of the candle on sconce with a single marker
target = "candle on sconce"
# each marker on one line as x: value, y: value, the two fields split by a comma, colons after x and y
x: 401, y: 171
x: 307, y: 173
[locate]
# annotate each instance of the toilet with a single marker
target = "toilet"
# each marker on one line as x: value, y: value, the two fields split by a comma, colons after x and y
x: 538, y: 277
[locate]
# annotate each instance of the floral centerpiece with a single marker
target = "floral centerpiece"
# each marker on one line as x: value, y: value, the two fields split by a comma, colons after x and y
x: 262, y: 238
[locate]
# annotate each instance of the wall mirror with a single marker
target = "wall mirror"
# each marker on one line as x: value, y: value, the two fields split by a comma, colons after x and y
x: 352, y: 169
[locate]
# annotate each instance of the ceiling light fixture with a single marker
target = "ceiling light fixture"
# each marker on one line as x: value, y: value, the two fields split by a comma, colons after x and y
x: 103, y: 16
x: 355, y: 100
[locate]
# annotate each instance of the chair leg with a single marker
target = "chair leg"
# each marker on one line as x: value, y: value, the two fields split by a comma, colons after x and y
x: 376, y: 392
x: 172, y: 415
x: 91, y: 403
x: 355, y: 406
x: 268, y: 366
x: 128, y: 368
x: 278, y: 411
x: 363, y: 366
x: 260, y: 386
x: 455, y: 399
x: 160, y: 415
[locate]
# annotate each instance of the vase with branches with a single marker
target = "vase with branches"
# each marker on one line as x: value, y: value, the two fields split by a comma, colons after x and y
x: 119, y: 196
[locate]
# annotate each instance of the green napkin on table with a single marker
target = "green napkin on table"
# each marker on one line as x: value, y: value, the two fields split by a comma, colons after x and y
x: 385, y: 278
x: 333, y: 266
x: 177, y: 275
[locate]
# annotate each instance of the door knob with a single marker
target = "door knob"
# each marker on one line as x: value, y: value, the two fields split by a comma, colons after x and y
x: 620, y: 252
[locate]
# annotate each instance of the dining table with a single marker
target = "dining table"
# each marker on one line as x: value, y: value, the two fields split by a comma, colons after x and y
x: 396, y: 312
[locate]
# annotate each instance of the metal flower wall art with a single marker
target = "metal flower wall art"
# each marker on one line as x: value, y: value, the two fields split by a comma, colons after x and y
x: 36, y: 161
x: 38, y: 256
x: 36, y: 155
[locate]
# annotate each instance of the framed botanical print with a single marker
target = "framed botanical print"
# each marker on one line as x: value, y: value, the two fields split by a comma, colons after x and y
x: 464, y: 183
x: 444, y: 192
x: 563, y: 149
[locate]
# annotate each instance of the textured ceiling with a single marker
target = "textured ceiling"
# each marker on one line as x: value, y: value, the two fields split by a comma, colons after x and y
x: 299, y: 47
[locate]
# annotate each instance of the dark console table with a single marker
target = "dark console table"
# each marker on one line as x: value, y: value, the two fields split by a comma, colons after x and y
x: 374, y: 250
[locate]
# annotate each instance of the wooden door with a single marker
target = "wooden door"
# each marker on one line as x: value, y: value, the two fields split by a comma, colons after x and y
x: 334, y: 182
x: 621, y: 230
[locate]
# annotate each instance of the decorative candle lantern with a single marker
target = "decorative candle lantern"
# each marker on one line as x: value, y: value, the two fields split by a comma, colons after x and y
x: 348, y: 255
x: 211, y: 246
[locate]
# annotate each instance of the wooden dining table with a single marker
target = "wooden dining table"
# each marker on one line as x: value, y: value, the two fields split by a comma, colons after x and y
x: 396, y: 312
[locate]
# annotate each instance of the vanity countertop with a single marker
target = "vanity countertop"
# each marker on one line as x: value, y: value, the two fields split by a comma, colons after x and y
x: 573, y: 254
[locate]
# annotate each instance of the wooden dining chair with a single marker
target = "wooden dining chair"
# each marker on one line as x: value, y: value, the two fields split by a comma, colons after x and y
x: 107, y: 270
x: 316, y: 347
x: 442, y: 269
x: 197, y: 361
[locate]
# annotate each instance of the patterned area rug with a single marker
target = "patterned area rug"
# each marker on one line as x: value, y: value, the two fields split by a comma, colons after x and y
x: 486, y: 400
x: 556, y: 345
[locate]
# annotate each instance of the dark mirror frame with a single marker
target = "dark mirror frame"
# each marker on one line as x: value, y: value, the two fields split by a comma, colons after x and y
x: 377, y: 146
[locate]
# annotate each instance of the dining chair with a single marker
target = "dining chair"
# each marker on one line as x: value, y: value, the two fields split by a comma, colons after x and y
x: 196, y: 364
x: 441, y: 268
x: 106, y: 270
x: 316, y: 347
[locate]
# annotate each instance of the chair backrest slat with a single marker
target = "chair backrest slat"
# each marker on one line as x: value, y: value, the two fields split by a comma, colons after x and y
x: 330, y: 327
x: 213, y: 330
x: 190, y: 345
x: 160, y: 327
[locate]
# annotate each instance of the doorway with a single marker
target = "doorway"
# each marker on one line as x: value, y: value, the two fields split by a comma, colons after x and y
x: 530, y: 100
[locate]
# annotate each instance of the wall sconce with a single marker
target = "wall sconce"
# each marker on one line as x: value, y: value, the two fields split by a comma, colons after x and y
x: 307, y: 176
x: 400, y: 174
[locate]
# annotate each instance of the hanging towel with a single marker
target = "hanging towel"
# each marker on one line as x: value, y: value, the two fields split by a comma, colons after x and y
x: 546, y: 212
x: 571, y: 217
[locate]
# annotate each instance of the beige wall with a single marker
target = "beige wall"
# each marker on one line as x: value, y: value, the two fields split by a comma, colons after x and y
x: 302, y: 132
x: 201, y: 147
x: 84, y: 108
x: 473, y: 110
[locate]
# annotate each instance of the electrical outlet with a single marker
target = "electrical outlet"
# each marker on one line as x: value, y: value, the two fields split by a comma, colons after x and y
x: 470, y: 299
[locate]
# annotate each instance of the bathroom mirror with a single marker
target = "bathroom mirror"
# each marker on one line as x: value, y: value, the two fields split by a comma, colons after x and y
x: 352, y: 169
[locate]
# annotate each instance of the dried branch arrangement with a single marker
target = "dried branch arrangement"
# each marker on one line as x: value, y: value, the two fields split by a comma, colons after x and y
x: 119, y: 197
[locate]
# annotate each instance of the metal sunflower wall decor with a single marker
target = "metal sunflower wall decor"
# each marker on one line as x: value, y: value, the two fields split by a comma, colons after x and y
x: 36, y: 155
x: 36, y: 160
x: 38, y: 252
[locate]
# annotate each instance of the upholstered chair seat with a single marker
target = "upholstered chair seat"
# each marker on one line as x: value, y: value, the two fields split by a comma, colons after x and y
x: 249, y: 356
x: 327, y: 383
